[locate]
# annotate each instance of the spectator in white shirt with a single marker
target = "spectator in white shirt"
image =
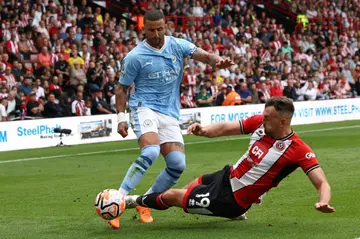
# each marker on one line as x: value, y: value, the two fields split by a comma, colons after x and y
x: 311, y: 92
x: 11, y: 102
x: 40, y: 91
x: 198, y: 10
x: 311, y: 12
x: 43, y: 30
x: 3, y: 114
x: 13, y: 106
x: 237, y: 74
x: 225, y: 73
x: 37, y: 16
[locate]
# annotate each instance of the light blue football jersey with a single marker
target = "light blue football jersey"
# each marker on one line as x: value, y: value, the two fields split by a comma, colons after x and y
x: 157, y: 75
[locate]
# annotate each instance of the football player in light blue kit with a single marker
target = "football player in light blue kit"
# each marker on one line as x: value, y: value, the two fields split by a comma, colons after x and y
x: 155, y: 67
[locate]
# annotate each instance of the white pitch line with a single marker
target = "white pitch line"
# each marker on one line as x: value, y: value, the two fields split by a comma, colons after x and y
x: 189, y: 143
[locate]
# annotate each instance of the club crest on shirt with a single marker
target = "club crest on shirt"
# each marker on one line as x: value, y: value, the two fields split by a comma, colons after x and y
x: 280, y: 146
x: 173, y: 58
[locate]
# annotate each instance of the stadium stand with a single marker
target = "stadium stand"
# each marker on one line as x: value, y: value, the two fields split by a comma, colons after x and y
x: 61, y: 58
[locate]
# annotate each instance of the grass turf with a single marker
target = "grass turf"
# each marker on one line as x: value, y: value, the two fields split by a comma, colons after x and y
x: 53, y: 197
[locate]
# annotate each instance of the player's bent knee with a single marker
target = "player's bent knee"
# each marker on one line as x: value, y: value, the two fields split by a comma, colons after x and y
x: 175, y: 164
x: 150, y: 153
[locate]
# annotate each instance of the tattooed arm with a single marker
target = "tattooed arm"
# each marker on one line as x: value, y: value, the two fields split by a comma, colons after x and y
x: 211, y: 59
x: 207, y: 58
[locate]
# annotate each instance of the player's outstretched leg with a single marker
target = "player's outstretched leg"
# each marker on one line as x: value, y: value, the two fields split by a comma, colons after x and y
x: 134, y: 174
x: 158, y: 201
x: 206, y: 195
x: 211, y: 200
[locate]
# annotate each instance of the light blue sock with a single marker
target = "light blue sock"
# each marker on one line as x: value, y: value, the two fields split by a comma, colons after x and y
x: 175, y: 165
x: 138, y: 168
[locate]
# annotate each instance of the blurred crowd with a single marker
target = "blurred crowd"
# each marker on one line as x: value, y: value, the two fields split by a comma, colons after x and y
x: 59, y: 59
x: 317, y: 62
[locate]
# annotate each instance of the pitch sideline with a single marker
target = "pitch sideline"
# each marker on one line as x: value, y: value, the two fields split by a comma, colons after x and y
x: 190, y: 143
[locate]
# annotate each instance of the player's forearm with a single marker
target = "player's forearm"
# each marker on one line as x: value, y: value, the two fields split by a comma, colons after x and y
x: 216, y: 130
x: 205, y: 57
x: 324, y: 192
x: 222, y: 129
x: 121, y: 97
x: 214, y: 59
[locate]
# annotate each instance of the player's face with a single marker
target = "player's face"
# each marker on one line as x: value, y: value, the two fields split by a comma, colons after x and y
x: 272, y: 121
x: 155, y: 31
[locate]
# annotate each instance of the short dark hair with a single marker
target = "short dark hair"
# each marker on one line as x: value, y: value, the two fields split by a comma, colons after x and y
x: 153, y: 15
x: 281, y: 104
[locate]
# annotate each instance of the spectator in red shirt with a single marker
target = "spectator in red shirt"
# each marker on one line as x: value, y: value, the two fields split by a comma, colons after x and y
x: 44, y: 58
x: 276, y: 90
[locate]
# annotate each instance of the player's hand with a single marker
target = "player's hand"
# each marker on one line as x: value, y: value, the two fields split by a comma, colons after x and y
x: 224, y: 63
x: 196, y: 129
x: 324, y: 207
x: 123, y: 129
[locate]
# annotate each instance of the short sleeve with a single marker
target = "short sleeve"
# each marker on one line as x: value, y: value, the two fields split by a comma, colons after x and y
x: 187, y: 48
x: 73, y: 107
x: 307, y: 160
x: 250, y: 124
x: 130, y: 68
x: 3, y: 112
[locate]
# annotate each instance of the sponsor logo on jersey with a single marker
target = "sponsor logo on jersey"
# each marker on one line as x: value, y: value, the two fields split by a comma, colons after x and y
x: 257, y: 152
x: 310, y: 155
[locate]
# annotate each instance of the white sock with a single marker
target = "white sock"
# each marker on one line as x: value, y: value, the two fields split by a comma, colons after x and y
x: 123, y: 191
x: 130, y: 201
x: 150, y: 191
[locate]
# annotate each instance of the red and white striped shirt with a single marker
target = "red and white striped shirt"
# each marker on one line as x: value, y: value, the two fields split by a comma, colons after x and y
x: 23, y: 23
x: 277, y: 45
x: 190, y: 80
x: 10, y: 80
x: 12, y: 47
x: 31, y: 46
x: 265, y: 55
x: 77, y: 107
x: 53, y: 58
x: 214, y: 90
x: 267, y: 161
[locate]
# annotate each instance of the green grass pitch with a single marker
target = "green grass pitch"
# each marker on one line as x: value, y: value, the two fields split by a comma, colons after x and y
x: 53, y: 197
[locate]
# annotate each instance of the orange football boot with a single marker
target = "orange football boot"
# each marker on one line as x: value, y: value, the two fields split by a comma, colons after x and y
x: 115, y: 223
x: 145, y: 215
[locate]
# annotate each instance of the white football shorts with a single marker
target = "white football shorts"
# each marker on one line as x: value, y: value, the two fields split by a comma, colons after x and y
x: 145, y: 120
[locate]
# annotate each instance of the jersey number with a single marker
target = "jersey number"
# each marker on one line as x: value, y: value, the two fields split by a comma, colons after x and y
x: 205, y: 201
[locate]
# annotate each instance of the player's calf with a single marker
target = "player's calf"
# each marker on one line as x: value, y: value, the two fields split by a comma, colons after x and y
x: 175, y: 165
x: 137, y: 170
x: 158, y: 201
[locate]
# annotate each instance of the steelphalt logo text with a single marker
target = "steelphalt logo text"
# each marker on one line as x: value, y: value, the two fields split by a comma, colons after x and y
x: 3, y: 136
x: 44, y: 131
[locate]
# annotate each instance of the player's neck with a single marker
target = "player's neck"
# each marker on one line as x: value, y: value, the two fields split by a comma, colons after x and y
x: 283, y: 133
x: 158, y: 47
